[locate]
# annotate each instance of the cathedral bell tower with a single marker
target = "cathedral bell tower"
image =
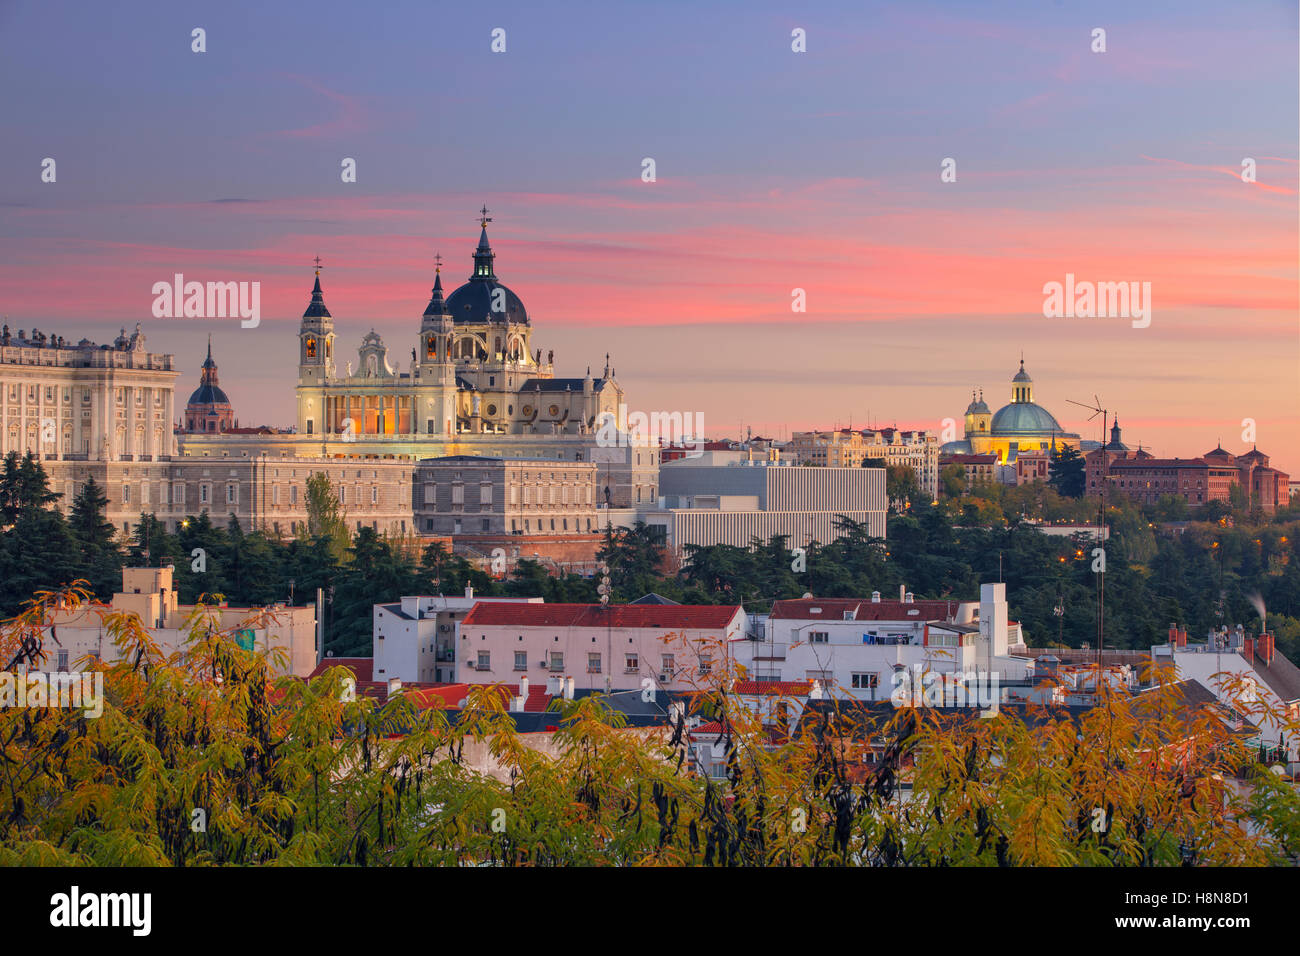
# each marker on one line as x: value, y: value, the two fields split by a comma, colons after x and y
x: 436, y: 408
x: 315, y: 360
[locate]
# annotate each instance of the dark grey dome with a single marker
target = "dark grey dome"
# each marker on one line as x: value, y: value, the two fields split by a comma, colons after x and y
x: 209, y: 395
x: 472, y: 303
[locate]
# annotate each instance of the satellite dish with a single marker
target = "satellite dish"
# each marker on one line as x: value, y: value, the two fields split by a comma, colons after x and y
x: 1278, y: 770
x: 807, y: 595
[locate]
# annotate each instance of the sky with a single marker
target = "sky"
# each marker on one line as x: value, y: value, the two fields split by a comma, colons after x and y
x: 774, y: 170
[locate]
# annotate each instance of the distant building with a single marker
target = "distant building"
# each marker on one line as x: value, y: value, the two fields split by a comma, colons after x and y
x: 465, y: 494
x: 846, y: 448
x: 732, y: 503
x: 209, y: 410
x: 978, y: 469
x: 149, y: 593
x: 1197, y: 481
x: 1023, y: 425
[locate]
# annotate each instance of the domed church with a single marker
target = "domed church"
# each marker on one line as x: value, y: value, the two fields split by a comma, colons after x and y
x: 209, y: 410
x: 1021, y: 426
x: 473, y: 372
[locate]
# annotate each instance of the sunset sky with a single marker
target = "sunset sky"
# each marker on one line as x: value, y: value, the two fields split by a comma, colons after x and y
x: 775, y: 170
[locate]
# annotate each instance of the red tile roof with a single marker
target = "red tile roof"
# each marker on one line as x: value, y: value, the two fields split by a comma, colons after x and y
x: 695, y: 616
x: 782, y: 688
x: 833, y: 609
x: 361, y: 667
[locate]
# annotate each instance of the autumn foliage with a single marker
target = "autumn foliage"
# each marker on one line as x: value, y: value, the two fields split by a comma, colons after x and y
x: 201, y: 758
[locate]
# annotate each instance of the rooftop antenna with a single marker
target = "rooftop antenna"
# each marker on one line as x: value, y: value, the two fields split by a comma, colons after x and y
x: 1101, y: 520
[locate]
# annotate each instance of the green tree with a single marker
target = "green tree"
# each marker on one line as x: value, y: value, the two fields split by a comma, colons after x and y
x: 95, y: 538
x: 326, y: 518
x: 952, y: 481
x: 1066, y: 472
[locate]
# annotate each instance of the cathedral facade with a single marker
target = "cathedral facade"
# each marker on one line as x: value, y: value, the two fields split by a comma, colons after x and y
x: 473, y: 385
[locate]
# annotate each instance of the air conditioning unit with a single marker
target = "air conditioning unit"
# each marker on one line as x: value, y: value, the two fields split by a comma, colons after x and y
x: 664, y: 678
x: 444, y: 628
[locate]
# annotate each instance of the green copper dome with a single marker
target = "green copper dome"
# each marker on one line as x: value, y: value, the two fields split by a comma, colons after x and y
x: 1024, y: 418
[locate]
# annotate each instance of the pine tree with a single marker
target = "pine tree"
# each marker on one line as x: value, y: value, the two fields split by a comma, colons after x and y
x: 95, y: 537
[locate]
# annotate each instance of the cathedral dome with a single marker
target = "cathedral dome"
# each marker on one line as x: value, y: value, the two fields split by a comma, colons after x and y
x: 1024, y: 418
x: 209, y: 395
x: 473, y: 302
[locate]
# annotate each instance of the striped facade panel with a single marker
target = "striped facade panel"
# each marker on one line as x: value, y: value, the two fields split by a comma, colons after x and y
x: 737, y: 528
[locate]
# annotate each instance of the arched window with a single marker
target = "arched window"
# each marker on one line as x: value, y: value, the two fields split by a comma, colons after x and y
x: 311, y: 348
x: 431, y: 347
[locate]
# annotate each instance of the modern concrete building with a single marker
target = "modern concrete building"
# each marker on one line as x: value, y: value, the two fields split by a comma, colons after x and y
x: 732, y: 503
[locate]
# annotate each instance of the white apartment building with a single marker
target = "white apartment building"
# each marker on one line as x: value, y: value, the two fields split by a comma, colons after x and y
x: 853, y: 646
x: 415, y: 639
x: 671, y: 647
x: 149, y: 593
x: 1246, y: 674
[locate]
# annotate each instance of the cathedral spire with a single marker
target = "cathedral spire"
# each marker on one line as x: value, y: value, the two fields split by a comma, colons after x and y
x: 437, y: 305
x: 483, y: 255
x: 316, y: 308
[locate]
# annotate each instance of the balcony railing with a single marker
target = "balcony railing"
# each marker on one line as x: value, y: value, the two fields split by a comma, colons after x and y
x: 769, y: 651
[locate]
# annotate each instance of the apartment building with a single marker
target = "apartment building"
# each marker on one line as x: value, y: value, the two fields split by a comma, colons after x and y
x: 150, y: 594
x: 853, y: 646
x: 671, y: 647
x: 415, y: 638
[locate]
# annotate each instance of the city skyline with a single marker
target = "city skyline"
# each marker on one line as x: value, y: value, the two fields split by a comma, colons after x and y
x: 775, y: 171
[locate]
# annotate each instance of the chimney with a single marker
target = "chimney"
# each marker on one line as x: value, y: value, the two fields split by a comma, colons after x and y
x: 469, y: 590
x: 568, y: 688
x: 1248, y: 651
x: 517, y: 702
x: 875, y: 597
x: 1182, y: 638
x: 909, y: 598
x: 902, y: 592
x: 394, y: 686
x: 523, y: 687
x: 1265, y: 645
x: 1173, y: 634
x: 816, y: 692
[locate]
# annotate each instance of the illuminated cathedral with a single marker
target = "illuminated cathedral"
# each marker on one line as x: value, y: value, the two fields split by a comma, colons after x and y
x: 473, y: 372
x: 1020, y: 426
